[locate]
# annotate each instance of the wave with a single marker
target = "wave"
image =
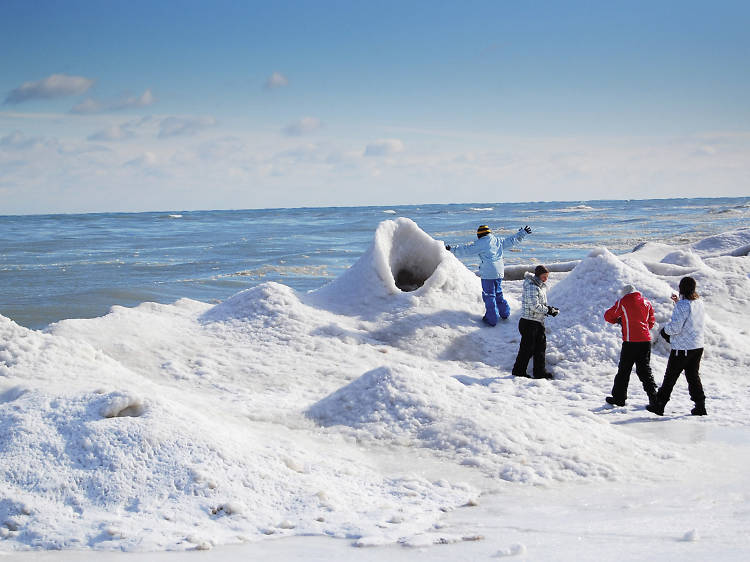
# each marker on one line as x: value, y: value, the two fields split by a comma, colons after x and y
x: 297, y: 270
x: 575, y: 209
x: 730, y: 210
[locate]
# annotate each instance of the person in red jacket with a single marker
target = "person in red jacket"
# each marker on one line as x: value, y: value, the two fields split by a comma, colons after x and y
x: 636, y: 316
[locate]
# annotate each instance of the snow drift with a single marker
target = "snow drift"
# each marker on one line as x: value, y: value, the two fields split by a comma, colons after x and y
x: 405, y: 406
x: 146, y: 467
x: 188, y: 425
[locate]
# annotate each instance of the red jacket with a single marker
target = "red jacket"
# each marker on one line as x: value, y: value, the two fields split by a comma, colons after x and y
x: 636, y: 315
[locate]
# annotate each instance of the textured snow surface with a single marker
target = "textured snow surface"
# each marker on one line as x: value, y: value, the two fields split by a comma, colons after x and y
x: 359, y: 411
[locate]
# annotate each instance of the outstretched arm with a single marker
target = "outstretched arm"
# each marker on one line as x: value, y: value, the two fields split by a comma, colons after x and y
x: 464, y: 249
x: 514, y: 239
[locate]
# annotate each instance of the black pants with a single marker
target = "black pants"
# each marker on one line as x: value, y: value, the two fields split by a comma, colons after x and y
x: 638, y: 353
x: 690, y: 362
x: 533, y: 343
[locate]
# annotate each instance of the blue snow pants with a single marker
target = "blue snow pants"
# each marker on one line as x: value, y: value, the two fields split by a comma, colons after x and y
x: 494, y: 302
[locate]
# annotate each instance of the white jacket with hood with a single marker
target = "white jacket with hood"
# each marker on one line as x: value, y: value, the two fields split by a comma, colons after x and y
x: 687, y: 325
x: 534, y: 300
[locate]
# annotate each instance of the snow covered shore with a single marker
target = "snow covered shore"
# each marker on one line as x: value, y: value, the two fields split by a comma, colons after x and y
x: 358, y: 411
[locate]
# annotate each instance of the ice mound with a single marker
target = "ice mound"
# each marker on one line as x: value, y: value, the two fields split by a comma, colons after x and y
x: 685, y: 258
x: 517, y: 272
x: 580, y: 333
x: 733, y: 243
x: 31, y: 356
x: 687, y: 265
x: 507, y: 437
x: 267, y: 301
x: 651, y: 251
x: 404, y: 255
x: 719, y: 265
x: 97, y: 456
x: 74, y: 476
x: 383, y: 397
x: 402, y: 261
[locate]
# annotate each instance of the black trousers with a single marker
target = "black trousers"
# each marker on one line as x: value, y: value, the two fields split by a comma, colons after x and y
x: 533, y: 344
x: 690, y: 362
x: 638, y: 353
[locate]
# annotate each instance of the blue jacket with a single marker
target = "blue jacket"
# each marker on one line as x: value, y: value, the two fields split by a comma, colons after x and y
x: 490, y: 250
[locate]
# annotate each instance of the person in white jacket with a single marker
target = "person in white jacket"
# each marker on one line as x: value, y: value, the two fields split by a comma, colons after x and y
x: 685, y: 335
x: 534, y: 308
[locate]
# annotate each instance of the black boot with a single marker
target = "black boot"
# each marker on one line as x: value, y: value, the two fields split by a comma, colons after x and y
x: 611, y: 400
x: 656, y: 407
x: 699, y: 410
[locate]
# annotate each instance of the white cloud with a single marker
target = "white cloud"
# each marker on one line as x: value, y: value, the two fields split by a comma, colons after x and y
x: 183, y: 126
x: 45, y: 174
x: 303, y: 126
x: 146, y: 159
x: 149, y: 126
x: 113, y: 133
x: 17, y: 140
x: 144, y: 100
x: 384, y: 147
x: 276, y: 80
x: 222, y: 148
x: 87, y: 107
x: 25, y: 116
x: 307, y: 153
x: 90, y: 105
x: 54, y: 86
x: 146, y: 120
x: 705, y: 150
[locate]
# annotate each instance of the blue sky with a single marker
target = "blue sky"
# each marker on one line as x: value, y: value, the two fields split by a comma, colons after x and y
x: 110, y: 106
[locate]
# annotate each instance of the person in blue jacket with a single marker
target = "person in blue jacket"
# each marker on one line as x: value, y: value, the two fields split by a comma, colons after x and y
x: 491, y: 268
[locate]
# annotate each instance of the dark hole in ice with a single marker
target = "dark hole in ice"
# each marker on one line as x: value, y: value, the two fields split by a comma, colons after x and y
x: 407, y: 280
x: 131, y: 411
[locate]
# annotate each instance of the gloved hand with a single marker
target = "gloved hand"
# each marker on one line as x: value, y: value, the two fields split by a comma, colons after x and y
x: 527, y: 228
x: 664, y: 334
x: 552, y: 311
x: 447, y: 247
x: 619, y: 321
